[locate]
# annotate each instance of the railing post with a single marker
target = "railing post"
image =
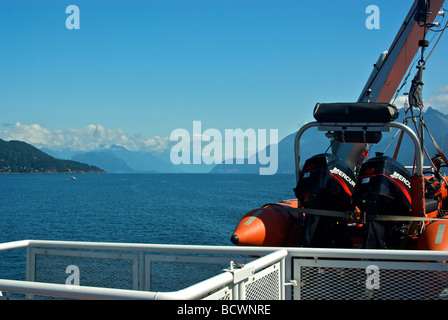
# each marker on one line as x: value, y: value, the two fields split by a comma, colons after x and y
x: 30, y: 273
x: 282, y: 279
x: 235, y: 291
x: 141, y: 259
x: 241, y: 290
x: 28, y: 264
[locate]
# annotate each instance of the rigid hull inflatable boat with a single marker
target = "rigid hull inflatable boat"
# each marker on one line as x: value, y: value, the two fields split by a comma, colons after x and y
x: 378, y: 205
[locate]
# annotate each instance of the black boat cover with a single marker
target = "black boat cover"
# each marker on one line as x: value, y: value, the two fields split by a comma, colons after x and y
x: 355, y: 112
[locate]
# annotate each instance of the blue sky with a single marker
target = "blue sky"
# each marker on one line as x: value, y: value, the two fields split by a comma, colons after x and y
x: 149, y: 67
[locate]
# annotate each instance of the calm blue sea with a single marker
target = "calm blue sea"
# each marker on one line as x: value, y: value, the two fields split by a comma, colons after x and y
x: 141, y: 208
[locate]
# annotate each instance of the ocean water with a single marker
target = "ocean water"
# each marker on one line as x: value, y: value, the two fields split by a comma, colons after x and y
x: 200, y: 209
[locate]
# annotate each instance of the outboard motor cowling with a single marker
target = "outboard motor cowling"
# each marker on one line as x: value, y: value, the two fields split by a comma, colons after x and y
x: 383, y: 188
x: 327, y: 183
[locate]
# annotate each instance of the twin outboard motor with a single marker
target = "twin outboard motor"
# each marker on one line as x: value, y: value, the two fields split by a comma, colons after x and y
x: 383, y: 188
x: 327, y: 183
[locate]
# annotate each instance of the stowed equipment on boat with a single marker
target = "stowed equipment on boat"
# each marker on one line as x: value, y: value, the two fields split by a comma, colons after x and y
x: 376, y: 204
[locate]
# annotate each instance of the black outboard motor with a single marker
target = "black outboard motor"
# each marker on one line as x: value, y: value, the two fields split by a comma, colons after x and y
x: 327, y: 183
x: 383, y: 187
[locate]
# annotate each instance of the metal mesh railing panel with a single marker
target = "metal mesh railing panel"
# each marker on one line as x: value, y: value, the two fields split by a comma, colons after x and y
x: 171, y: 276
x: 351, y: 283
x: 96, y: 269
x: 265, y: 285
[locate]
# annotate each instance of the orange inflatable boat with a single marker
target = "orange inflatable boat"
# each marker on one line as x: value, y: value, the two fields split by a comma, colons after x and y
x: 357, y: 201
x: 335, y: 212
x: 272, y: 225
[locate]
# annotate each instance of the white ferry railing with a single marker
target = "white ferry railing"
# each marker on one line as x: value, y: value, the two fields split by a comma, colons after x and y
x: 229, y: 281
x: 196, y: 291
x: 313, y: 273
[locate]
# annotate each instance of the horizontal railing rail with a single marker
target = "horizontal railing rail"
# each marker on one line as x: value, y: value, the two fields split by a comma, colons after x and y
x: 230, y: 250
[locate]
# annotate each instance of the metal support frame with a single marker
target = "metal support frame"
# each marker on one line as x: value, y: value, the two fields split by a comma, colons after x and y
x: 383, y: 127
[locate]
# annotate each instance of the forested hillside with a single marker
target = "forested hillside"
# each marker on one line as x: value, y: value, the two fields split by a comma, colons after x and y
x: 21, y: 157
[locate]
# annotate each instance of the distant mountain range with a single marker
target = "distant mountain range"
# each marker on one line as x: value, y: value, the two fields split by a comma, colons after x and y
x: 21, y: 157
x: 310, y: 145
x: 116, y: 159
